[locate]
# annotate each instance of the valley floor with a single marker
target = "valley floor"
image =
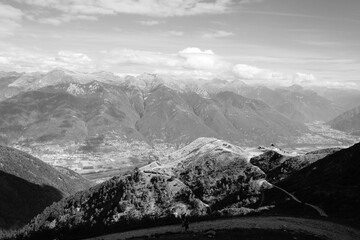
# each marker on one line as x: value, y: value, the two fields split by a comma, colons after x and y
x: 298, y: 228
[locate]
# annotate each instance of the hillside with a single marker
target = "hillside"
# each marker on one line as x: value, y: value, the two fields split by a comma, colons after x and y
x: 6, y: 78
x: 330, y: 183
x: 28, y: 185
x: 168, y: 118
x: 195, y: 185
x: 279, y: 165
x: 348, y: 121
x: 269, y: 160
x: 294, y: 102
x: 67, y: 112
x: 345, y: 98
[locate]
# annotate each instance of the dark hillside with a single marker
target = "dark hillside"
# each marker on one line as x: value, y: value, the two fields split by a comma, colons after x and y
x: 332, y: 183
x: 21, y: 200
x: 28, y: 185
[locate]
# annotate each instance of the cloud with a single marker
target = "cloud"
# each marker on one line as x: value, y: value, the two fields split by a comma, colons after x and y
x: 10, y: 19
x: 150, y: 22
x: 217, y: 34
x: 130, y: 56
x: 195, y: 58
x: 195, y: 62
x: 192, y: 63
x: 186, y: 74
x: 174, y: 33
x: 189, y: 60
x: 333, y: 84
x: 64, y: 19
x: 72, y: 57
x: 4, y: 60
x: 269, y: 77
x: 299, y: 78
x: 153, y: 8
x: 19, y: 59
x: 194, y: 50
x: 247, y: 72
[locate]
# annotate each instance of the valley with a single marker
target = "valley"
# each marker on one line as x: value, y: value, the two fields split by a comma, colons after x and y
x: 321, y: 135
x: 115, y: 156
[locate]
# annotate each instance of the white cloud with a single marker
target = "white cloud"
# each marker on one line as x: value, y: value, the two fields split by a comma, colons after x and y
x: 186, y: 74
x: 217, y: 34
x: 10, y: 13
x: 27, y: 61
x: 194, y: 50
x: 192, y: 63
x: 195, y: 62
x: 10, y: 18
x: 247, y: 72
x: 333, y: 84
x: 269, y: 77
x: 299, y: 78
x: 150, y: 22
x: 72, y: 57
x: 64, y: 19
x: 4, y: 60
x: 153, y: 8
x: 129, y: 56
x: 195, y: 58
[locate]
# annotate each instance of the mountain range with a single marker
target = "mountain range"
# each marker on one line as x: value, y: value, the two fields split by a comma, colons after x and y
x: 295, y: 102
x: 63, y: 105
x: 152, y: 108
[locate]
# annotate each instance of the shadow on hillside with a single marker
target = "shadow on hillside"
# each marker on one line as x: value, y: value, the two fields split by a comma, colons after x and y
x: 21, y: 200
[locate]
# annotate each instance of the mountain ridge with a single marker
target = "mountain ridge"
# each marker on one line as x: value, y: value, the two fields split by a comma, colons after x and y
x: 141, y: 114
x: 348, y: 121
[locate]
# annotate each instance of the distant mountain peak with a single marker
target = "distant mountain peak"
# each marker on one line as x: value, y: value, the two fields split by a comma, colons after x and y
x: 61, y: 70
x: 295, y: 87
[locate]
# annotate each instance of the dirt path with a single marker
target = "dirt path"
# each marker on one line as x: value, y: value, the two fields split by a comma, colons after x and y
x: 319, y: 228
x: 316, y: 208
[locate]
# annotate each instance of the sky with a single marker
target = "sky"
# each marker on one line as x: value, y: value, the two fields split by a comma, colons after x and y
x: 273, y: 42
